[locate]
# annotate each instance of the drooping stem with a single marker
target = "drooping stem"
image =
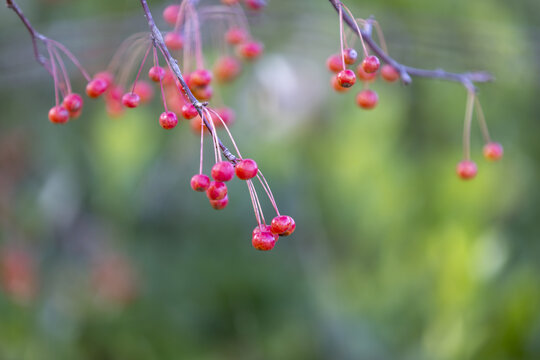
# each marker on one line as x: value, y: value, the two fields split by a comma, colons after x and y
x: 467, y: 79
x: 157, y: 38
x: 467, y: 125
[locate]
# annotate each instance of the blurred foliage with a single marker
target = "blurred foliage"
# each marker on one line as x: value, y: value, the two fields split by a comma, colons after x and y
x: 393, y: 257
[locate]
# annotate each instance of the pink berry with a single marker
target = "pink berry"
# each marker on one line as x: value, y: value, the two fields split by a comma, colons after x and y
x: 256, y: 4
x: 220, y: 204
x: 367, y: 99
x: 144, y: 90
x: 263, y: 240
x: 96, y: 87
x: 58, y: 115
x: 336, y: 86
x: 283, y: 225
x: 156, y: 73
x: 371, y: 64
x: 227, y: 68
x: 131, y: 100
x: 200, y: 182
x: 389, y: 73
x: 222, y: 171
x: 250, y: 50
x: 73, y: 103
x: 364, y: 76
x: 201, y: 77
x: 350, y: 56
x: 235, y: 36
x: 105, y: 75
x: 170, y: 14
x: 466, y: 169
x: 217, y: 190
x: 334, y: 63
x: 168, y: 120
x: 246, y: 169
x: 174, y: 41
x: 189, y: 111
x: 346, y: 78
x: 493, y: 151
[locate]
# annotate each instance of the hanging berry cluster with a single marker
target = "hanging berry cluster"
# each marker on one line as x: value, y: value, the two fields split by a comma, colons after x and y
x: 391, y: 71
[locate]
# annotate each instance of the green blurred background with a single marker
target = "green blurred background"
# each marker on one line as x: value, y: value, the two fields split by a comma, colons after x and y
x: 393, y: 256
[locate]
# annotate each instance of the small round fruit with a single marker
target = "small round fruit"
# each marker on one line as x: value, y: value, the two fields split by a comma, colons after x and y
x: 58, y: 114
x: 334, y: 63
x: 389, y: 73
x: 364, y: 76
x: 235, y: 36
x: 200, y: 182
x: 283, y: 225
x: 156, y: 73
x: 220, y: 204
x: 336, y: 86
x: 263, y: 240
x: 131, y: 100
x: 105, y: 75
x: 367, y: 99
x: 346, y: 78
x: 222, y: 171
x: 96, y: 87
x: 170, y: 14
x: 493, y: 151
x: 168, y: 120
x: 73, y: 103
x: 371, y: 64
x: 201, y: 77
x: 189, y: 111
x: 250, y: 50
x: 350, y: 56
x: 466, y: 169
x: 174, y: 40
x: 217, y: 190
x: 246, y: 169
x: 227, y: 68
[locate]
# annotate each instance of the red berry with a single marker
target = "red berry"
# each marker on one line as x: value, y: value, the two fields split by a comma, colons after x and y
x: 131, y: 100
x: 346, y: 78
x: 170, y: 14
x: 73, y: 103
x: 203, y: 93
x: 144, y: 90
x: 220, y: 204
x: 216, y: 190
x: 334, y: 63
x: 174, y: 40
x: 493, y: 151
x: 200, y: 182
x: 105, y: 75
x: 222, y: 171
x: 156, y: 73
x: 283, y: 225
x: 58, y: 115
x: 96, y: 87
x: 201, y: 77
x: 189, y: 111
x: 364, y: 76
x: 335, y: 84
x: 466, y: 169
x: 389, y: 73
x: 367, y: 99
x: 350, y: 56
x: 168, y: 120
x: 235, y: 36
x: 246, y: 169
x: 371, y: 64
x: 250, y: 50
x: 255, y: 4
x: 263, y: 240
x: 227, y: 68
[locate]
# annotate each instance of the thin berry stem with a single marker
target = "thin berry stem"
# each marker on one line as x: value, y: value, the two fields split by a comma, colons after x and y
x: 228, y: 132
x: 141, y: 67
x: 359, y: 32
x: 268, y: 191
x: 467, y: 79
x: 202, y: 146
x: 72, y: 58
x: 341, y: 38
x: 62, y: 70
x: 214, y: 134
x: 173, y: 65
x: 156, y: 64
x: 252, y: 197
x: 467, y: 126
x: 54, y: 74
x: 482, y: 120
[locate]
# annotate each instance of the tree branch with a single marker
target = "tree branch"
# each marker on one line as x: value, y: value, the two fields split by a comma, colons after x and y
x: 467, y: 79
x: 157, y: 38
x: 42, y: 60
